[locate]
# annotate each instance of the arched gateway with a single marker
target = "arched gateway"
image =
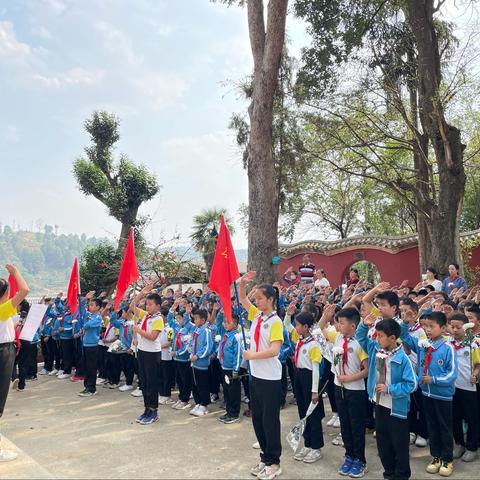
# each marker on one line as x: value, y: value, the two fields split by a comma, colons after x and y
x: 396, y: 257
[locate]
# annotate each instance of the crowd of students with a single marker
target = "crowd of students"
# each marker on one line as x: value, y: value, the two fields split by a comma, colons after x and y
x: 400, y: 362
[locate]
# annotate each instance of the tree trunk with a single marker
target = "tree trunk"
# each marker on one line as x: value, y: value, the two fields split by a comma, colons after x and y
x: 128, y: 223
x: 267, y: 46
x: 444, y: 138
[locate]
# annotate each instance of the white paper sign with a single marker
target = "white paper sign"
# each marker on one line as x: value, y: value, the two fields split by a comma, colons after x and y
x: 32, y: 322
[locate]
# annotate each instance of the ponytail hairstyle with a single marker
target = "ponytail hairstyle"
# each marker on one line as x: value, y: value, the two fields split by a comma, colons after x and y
x: 270, y: 292
x: 4, y: 287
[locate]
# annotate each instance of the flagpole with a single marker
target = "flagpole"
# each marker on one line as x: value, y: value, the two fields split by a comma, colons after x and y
x: 240, y: 316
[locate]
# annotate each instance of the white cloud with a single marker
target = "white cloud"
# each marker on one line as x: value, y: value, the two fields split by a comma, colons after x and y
x: 10, y: 134
x: 72, y: 77
x: 10, y: 47
x: 58, y: 6
x: 115, y: 41
x: 42, y: 32
x: 162, y: 89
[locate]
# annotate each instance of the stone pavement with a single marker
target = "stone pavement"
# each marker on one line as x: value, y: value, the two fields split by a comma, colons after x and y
x: 60, y: 435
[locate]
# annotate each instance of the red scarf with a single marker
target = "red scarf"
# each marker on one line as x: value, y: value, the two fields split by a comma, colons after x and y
x: 125, y: 330
x: 457, y: 346
x: 222, y: 347
x: 256, y: 333
x: 107, y: 331
x: 178, y: 341
x: 428, y: 358
x: 195, y: 337
x: 299, y: 345
x: 144, y: 323
x: 345, y: 352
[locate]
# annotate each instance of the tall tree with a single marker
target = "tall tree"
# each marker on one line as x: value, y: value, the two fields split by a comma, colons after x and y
x: 205, y: 232
x: 121, y: 186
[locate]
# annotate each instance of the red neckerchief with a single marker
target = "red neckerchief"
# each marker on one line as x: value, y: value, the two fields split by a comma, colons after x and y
x: 456, y: 277
x: 428, y: 357
x: 345, y: 352
x: 125, y: 330
x: 256, y: 334
x: 195, y: 337
x: 178, y: 341
x: 222, y: 347
x: 145, y: 320
x: 299, y: 345
x: 108, y: 330
x: 17, y: 339
x: 415, y: 327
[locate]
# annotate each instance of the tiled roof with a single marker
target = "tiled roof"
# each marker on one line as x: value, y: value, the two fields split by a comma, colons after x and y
x: 393, y: 243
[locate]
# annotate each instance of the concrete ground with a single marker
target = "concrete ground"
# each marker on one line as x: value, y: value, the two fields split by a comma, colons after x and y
x: 60, y: 435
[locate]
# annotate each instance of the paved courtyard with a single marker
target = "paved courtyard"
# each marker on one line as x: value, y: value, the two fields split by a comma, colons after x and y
x: 60, y: 435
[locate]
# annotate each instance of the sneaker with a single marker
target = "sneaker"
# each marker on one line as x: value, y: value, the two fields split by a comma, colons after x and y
x: 301, y: 454
x: 255, y: 471
x: 214, y: 397
x: 230, y: 420
x: 59, y: 372
x: 245, y: 399
x: 346, y: 466
x: 53, y: 372
x: 100, y: 381
x: 181, y: 405
x: 162, y: 400
x: 151, y: 417
x: 421, y: 442
x: 458, y: 451
x: 63, y: 376
x: 469, y: 456
x: 434, y: 465
x: 201, y: 411
x: 256, y: 446
x: 194, y: 409
x: 43, y: 371
x: 413, y: 438
x: 169, y: 401
x: 270, y: 472
x: 86, y: 393
x: 77, y: 378
x: 336, y: 423
x: 338, y: 441
x: 358, y: 470
x: 174, y: 404
x: 113, y: 386
x: 332, y: 420
x: 15, y: 384
x: 223, y: 417
x: 446, y: 469
x: 312, y: 456
x: 144, y: 414
x: 136, y: 393
x: 125, y: 388
x: 7, y: 455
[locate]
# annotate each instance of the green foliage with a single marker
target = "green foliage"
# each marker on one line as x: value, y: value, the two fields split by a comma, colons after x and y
x: 99, y: 267
x: 43, y: 257
x: 121, y: 186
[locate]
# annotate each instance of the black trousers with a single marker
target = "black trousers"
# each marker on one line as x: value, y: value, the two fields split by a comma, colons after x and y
x: 58, y: 355
x: 90, y: 355
x: 114, y: 367
x: 148, y: 371
x: 232, y: 393
x: 393, y: 439
x: 79, y: 363
x: 329, y: 376
x: 369, y: 418
x: 352, y: 412
x: 201, y: 386
x: 265, y: 397
x: 214, y: 376
x: 184, y: 379
x: 102, y: 362
x: 167, y: 369
x: 284, y: 384
x: 416, y: 416
x: 68, y: 354
x: 291, y: 372
x: 245, y: 381
x: 439, y: 424
x: 26, y: 356
x: 465, y: 408
x: 126, y: 361
x: 7, y: 359
x: 313, y: 433
x: 48, y: 347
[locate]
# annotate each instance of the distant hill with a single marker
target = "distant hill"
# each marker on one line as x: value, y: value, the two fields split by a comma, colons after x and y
x: 44, y: 258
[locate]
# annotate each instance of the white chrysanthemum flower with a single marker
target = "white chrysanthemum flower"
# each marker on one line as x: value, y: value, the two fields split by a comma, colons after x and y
x: 217, y: 338
x: 248, y: 341
x: 337, y: 350
x: 424, y: 343
x: 468, y: 326
x: 381, y: 355
x: 187, y: 338
x: 317, y: 331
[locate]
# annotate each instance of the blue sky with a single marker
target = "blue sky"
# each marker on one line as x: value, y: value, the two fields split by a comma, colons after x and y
x: 160, y: 65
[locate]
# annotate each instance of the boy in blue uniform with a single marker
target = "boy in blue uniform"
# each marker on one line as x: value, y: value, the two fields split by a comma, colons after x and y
x: 202, y: 344
x: 230, y: 354
x: 65, y: 330
x: 391, y: 381
x: 90, y: 336
x: 437, y: 372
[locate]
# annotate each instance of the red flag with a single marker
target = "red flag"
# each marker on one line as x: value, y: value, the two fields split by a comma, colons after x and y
x: 224, y: 269
x: 128, y: 270
x: 13, y: 286
x: 73, y: 288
